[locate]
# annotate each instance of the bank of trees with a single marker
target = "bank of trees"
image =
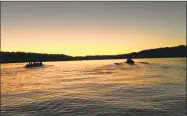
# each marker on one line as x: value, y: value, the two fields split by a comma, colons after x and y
x: 177, y: 51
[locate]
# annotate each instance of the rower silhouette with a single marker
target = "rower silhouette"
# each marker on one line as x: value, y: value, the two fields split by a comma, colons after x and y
x: 129, y: 61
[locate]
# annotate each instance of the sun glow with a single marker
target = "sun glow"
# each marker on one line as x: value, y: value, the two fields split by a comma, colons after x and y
x: 94, y: 31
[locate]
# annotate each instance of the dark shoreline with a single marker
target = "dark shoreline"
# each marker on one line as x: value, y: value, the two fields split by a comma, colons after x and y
x: 91, y: 59
x: 22, y: 57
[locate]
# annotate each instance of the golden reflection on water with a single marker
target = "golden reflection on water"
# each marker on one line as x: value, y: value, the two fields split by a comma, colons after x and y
x: 89, y: 79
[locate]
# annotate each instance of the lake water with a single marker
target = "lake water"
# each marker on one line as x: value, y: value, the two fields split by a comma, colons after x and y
x: 95, y: 88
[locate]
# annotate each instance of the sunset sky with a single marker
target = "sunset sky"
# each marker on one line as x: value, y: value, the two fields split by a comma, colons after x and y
x: 91, y: 28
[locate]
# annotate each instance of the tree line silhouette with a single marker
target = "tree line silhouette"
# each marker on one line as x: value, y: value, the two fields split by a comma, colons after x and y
x: 11, y: 57
x: 166, y: 52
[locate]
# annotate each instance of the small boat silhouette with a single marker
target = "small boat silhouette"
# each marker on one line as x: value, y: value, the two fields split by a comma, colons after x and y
x: 129, y: 61
x: 33, y: 64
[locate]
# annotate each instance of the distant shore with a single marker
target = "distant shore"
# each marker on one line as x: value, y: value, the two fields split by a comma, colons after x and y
x: 88, y: 59
x: 167, y: 52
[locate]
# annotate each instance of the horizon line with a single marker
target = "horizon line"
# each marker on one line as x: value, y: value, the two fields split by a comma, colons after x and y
x: 91, y: 55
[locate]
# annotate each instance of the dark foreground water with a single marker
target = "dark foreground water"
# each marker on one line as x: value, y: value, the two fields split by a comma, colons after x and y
x: 95, y: 88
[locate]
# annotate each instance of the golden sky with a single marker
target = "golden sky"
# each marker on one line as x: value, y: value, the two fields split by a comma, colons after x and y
x: 91, y: 28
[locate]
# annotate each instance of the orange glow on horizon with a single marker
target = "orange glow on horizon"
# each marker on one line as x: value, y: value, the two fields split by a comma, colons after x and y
x: 91, y: 29
x: 85, y: 41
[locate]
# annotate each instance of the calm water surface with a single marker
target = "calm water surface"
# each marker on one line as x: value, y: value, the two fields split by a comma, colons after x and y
x: 95, y: 88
